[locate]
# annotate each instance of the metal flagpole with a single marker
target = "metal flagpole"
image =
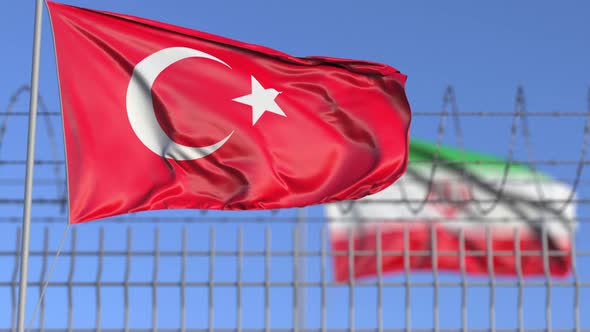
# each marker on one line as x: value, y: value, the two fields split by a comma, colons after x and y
x: 24, y: 262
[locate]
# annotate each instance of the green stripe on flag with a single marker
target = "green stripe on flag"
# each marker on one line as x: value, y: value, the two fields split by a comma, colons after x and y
x: 421, y: 151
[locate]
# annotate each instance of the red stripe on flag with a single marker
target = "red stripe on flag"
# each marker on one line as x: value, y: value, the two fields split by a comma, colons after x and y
x: 447, y: 251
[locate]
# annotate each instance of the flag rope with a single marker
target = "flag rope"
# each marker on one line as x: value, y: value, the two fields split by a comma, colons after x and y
x: 46, y: 283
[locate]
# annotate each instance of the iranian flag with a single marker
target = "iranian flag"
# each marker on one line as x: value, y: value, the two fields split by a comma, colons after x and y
x: 512, y: 220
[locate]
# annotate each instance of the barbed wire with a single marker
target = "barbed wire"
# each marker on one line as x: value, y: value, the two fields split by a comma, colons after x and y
x: 60, y: 187
x: 520, y: 124
x: 520, y: 112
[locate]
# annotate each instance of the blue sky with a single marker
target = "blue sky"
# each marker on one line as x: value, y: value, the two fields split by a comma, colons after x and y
x: 484, y: 49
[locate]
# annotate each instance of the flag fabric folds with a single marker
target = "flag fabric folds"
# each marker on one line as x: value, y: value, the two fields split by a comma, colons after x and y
x: 465, y: 219
x: 162, y: 117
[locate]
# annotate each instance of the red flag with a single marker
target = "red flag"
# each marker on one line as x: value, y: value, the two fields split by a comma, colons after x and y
x: 159, y: 117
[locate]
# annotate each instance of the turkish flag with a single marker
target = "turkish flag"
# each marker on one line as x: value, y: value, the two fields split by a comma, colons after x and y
x: 162, y: 117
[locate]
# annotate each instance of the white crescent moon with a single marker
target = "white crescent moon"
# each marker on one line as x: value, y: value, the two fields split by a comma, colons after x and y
x: 140, y: 108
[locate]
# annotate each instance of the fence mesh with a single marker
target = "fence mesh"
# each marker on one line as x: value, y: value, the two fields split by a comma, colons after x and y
x: 274, y: 270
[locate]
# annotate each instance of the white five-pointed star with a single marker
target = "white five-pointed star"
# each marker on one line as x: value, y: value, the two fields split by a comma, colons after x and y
x: 262, y: 100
